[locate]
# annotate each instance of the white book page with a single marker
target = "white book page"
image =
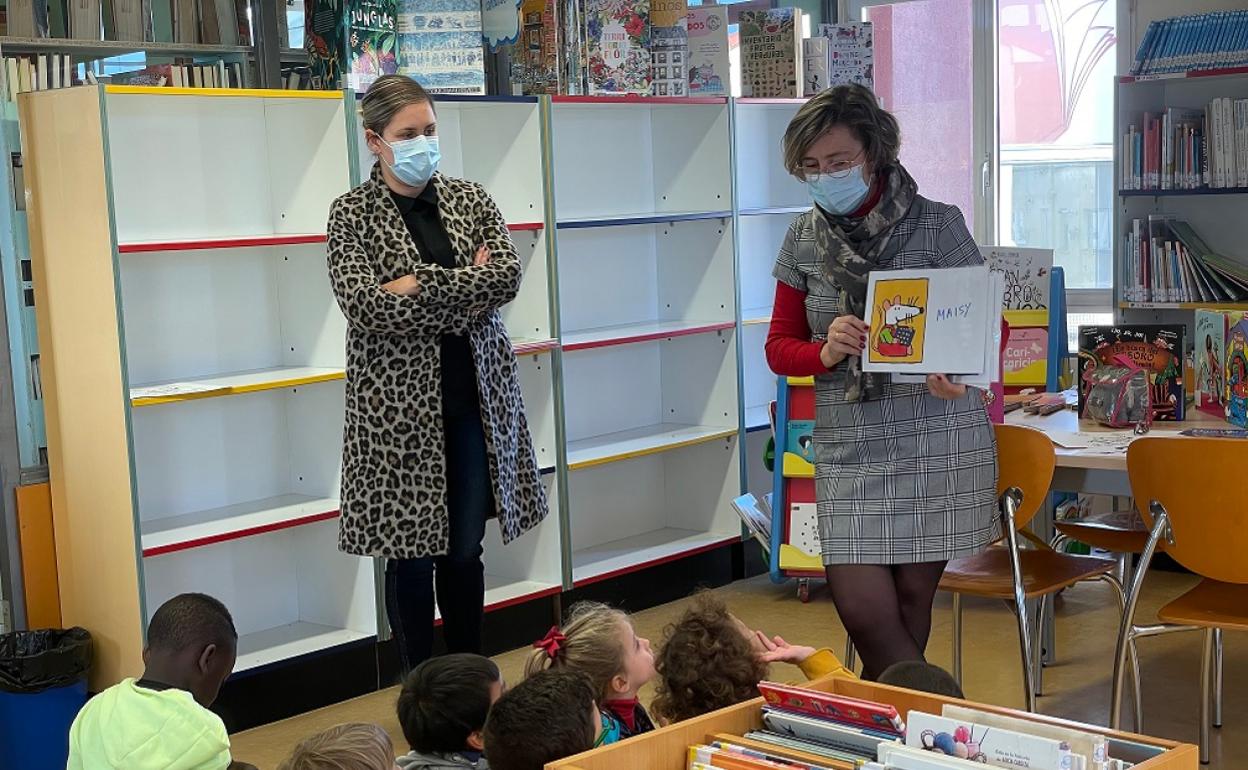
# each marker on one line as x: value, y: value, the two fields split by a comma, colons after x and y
x: 927, y: 321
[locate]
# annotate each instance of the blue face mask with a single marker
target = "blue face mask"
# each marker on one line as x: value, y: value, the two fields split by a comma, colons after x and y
x: 415, y: 160
x: 838, y: 194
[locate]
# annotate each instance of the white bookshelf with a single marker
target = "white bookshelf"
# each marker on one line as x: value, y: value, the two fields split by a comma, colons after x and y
x: 216, y: 253
x: 762, y: 182
x: 1216, y: 214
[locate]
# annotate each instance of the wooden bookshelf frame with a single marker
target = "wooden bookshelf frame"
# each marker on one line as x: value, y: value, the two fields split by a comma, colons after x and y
x: 668, y: 747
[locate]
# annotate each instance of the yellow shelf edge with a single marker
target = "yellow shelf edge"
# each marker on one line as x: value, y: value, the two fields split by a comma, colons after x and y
x: 796, y: 467
x: 756, y: 321
x: 802, y: 382
x: 275, y: 93
x: 292, y: 382
x: 597, y: 461
x: 1027, y: 317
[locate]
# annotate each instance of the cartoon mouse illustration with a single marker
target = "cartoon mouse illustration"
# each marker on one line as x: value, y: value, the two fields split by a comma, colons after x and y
x: 895, y: 337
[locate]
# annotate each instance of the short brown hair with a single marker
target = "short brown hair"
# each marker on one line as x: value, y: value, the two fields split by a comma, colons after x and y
x: 541, y: 720
x: 354, y: 746
x: 386, y: 96
x: 591, y: 644
x: 705, y: 663
x: 854, y: 107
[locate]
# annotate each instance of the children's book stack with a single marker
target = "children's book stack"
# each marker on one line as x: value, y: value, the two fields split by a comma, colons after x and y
x: 813, y: 730
x: 1166, y: 260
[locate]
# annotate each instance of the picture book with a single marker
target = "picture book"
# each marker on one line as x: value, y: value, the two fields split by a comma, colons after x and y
x: 746, y: 751
x: 816, y: 55
x: 898, y: 756
x: 1028, y: 275
x: 771, y: 53
x: 801, y: 439
x: 440, y: 45
x: 1158, y: 349
x: 851, y: 53
x: 708, y: 51
x: 802, y: 527
x: 755, y: 516
x: 1026, y: 356
x: 617, y: 36
x: 855, y: 740
x: 806, y: 747
x: 1210, y: 357
x: 994, y: 746
x: 350, y: 43
x: 536, y: 68
x: 1236, y: 374
x: 1091, y: 746
x: 729, y: 759
x: 932, y: 321
x: 863, y: 713
x: 669, y: 47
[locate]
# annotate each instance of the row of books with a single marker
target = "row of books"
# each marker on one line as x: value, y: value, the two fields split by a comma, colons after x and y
x: 813, y: 730
x: 1197, y: 42
x: 208, y: 22
x: 1188, y: 149
x: 37, y: 73
x: 1168, y: 261
x: 222, y: 74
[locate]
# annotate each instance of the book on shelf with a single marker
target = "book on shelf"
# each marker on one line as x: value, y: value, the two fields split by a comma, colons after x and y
x: 1166, y: 260
x: 709, y: 65
x: 1235, y: 375
x: 350, y: 44
x: 440, y: 45
x: 755, y: 514
x: 297, y: 78
x: 983, y: 744
x: 185, y: 21
x: 84, y: 20
x: 771, y: 53
x: 1156, y: 348
x: 536, y: 67
x: 851, y: 53
x: 669, y: 47
x: 816, y: 61
x: 219, y: 22
x: 131, y: 19
x: 1087, y: 749
x: 617, y: 38
x: 37, y: 72
x: 1206, y: 41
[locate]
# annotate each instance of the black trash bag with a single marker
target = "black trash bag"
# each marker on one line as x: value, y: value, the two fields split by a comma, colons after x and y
x: 34, y: 661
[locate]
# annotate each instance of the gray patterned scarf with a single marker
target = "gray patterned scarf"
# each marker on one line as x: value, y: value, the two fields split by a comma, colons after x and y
x: 851, y: 248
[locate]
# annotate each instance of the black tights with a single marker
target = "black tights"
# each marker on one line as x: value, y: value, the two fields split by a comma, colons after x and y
x: 887, y: 609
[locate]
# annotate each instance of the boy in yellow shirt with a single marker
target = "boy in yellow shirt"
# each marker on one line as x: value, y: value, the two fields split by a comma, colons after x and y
x: 162, y: 720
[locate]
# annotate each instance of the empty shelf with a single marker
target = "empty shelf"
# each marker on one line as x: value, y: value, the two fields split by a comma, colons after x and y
x: 638, y: 442
x: 217, y: 525
x: 629, y: 554
x: 283, y: 643
x: 231, y: 384
x: 640, y: 332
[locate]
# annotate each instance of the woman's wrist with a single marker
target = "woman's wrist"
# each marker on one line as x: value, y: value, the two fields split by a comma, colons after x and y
x: 829, y: 357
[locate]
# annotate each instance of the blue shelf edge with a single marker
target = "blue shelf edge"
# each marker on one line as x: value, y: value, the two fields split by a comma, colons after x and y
x: 647, y: 219
x: 757, y: 428
x: 774, y: 210
x: 1183, y: 192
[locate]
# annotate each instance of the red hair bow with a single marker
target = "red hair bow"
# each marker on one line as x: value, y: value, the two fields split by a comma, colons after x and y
x: 551, y: 642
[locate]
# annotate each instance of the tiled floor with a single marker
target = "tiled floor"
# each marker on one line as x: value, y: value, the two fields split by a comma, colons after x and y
x: 1077, y: 687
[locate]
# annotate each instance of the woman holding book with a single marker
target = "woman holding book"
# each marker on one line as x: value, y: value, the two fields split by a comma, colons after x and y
x: 435, y: 438
x: 905, y: 474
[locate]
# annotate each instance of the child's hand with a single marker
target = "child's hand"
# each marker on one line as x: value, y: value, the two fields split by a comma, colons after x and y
x: 779, y: 651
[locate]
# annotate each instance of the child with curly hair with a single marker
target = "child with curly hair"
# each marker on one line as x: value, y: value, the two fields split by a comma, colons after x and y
x: 710, y: 659
x: 600, y: 641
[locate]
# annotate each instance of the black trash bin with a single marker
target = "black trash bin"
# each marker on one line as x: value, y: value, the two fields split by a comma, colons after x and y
x: 43, y: 685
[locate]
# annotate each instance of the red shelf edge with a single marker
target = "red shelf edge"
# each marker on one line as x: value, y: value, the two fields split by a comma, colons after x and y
x: 1188, y: 75
x: 727, y: 540
x: 225, y: 537
x: 220, y: 243
x: 649, y: 337
x: 525, y: 226
x: 531, y: 348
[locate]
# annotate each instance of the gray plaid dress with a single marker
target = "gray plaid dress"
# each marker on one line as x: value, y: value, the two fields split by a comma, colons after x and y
x: 905, y: 477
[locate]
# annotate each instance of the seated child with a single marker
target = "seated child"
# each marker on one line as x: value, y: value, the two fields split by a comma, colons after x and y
x: 547, y: 717
x: 922, y: 676
x: 442, y: 710
x: 601, y: 642
x: 162, y: 720
x: 355, y: 746
x: 710, y: 659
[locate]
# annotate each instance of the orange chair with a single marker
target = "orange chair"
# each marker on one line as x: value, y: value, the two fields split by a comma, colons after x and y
x: 1026, y: 462
x: 1182, y: 492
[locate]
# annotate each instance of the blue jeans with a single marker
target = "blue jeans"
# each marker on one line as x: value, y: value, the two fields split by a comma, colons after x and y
x: 460, y: 573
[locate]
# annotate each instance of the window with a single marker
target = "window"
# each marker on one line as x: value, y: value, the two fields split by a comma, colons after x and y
x: 1055, y: 96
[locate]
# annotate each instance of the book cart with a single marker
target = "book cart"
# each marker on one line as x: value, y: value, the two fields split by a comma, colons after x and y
x: 668, y: 747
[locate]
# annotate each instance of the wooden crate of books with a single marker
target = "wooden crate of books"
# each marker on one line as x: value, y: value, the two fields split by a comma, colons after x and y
x: 668, y: 748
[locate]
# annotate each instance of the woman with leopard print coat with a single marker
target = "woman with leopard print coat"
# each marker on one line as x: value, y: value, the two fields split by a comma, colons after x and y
x: 435, y: 440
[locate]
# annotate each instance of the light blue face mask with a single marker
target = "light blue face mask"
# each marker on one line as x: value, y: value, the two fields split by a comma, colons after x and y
x: 839, y: 193
x: 415, y: 160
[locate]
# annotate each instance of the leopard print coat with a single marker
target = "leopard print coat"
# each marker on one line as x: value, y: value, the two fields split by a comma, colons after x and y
x: 393, y: 458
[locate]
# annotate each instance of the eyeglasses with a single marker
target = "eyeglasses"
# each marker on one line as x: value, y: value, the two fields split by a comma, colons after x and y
x: 837, y: 169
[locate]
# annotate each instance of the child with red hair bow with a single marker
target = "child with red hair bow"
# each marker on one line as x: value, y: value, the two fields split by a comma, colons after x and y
x: 601, y: 642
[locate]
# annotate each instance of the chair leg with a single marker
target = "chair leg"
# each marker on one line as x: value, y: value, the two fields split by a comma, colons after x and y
x: 1217, y: 677
x: 1025, y: 648
x: 1138, y: 699
x: 1125, y: 646
x: 1206, y: 675
x: 851, y: 654
x: 1037, y: 649
x: 1009, y: 504
x: 957, y: 638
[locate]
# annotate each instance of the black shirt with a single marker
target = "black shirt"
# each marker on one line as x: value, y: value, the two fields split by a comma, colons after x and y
x: 459, y: 373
